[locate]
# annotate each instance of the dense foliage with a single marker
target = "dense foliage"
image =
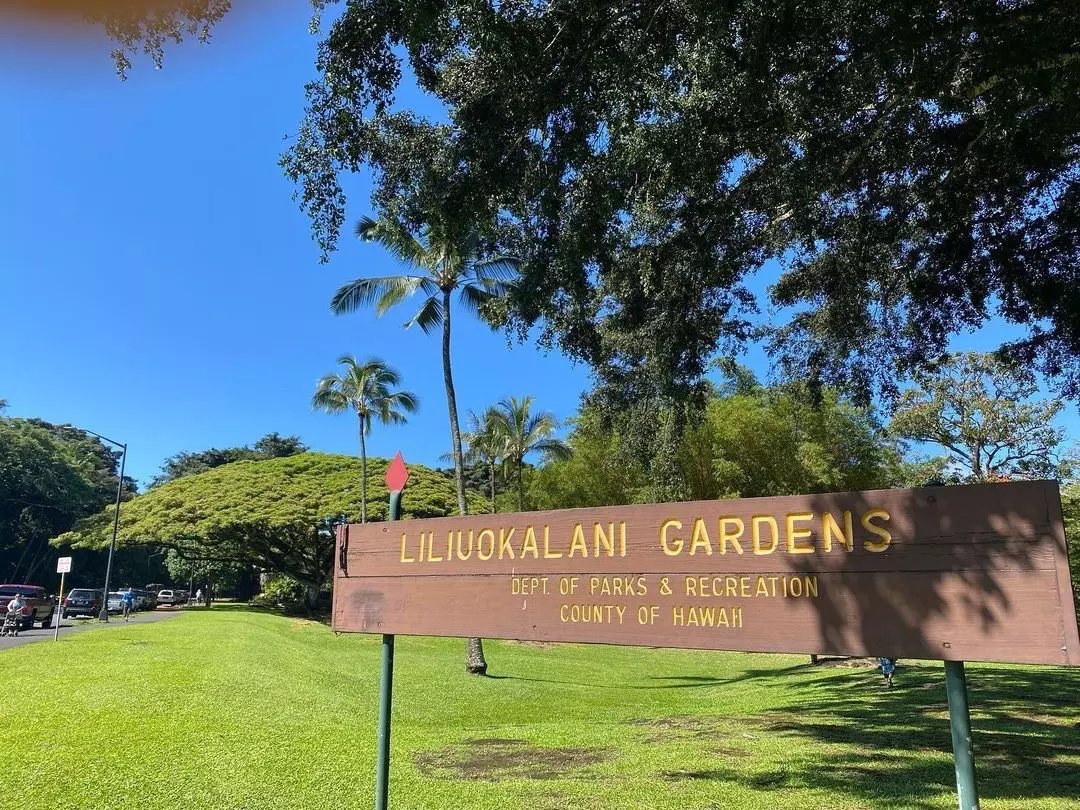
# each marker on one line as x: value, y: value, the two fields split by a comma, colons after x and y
x: 753, y: 440
x: 267, y: 513
x: 50, y: 475
x: 1070, y: 507
x: 987, y: 416
x: 272, y: 445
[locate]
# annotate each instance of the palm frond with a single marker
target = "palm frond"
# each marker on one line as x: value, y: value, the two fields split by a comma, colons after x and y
x: 366, y: 388
x: 553, y: 449
x: 366, y: 292
x: 473, y: 297
x: 503, y: 269
x: 539, y: 426
x: 430, y: 316
x: 407, y: 401
x: 396, y: 239
x: 350, y: 362
x: 329, y: 395
x: 378, y: 373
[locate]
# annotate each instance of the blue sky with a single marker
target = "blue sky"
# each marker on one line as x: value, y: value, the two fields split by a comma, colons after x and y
x: 159, y: 283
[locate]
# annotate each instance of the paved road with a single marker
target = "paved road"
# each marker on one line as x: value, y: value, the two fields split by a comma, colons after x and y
x: 69, y: 626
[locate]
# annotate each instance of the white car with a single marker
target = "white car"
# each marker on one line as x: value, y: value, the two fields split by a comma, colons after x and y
x: 167, y: 598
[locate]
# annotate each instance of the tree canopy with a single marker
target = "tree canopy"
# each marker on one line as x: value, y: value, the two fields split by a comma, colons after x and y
x: 987, y: 415
x: 272, y: 445
x: 43, y: 489
x: 753, y: 440
x: 912, y: 163
x: 267, y: 513
x: 774, y: 440
x: 50, y: 475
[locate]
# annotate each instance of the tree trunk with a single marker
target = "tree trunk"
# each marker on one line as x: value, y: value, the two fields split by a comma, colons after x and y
x: 363, y: 473
x: 475, y: 663
x: 474, y: 648
x: 313, y: 596
x: 520, y: 486
x: 493, y: 509
x: 451, y: 404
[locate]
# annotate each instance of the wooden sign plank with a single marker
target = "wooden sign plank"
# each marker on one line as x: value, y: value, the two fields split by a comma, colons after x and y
x: 975, y: 573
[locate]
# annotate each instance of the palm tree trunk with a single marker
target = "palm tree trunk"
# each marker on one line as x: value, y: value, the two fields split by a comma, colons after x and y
x: 451, y: 404
x: 493, y: 509
x: 475, y: 663
x: 520, y: 486
x: 363, y: 474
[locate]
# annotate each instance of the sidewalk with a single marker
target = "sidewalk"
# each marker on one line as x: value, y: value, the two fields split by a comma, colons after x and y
x: 69, y: 626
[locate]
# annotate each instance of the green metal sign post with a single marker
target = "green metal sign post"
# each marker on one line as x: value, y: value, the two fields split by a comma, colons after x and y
x: 960, y: 722
x: 396, y: 476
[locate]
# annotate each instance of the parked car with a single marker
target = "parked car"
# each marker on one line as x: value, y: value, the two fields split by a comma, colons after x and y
x: 82, y: 602
x: 115, y: 602
x: 166, y: 597
x: 140, y: 599
x: 182, y: 596
x: 39, y: 605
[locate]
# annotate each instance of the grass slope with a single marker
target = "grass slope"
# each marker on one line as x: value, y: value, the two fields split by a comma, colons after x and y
x: 227, y: 708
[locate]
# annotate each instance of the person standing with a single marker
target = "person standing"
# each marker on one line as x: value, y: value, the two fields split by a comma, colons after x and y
x: 13, y: 620
x: 888, y: 667
x: 127, y: 602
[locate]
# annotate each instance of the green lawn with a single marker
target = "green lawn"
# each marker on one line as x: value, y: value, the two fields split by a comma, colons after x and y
x: 232, y: 709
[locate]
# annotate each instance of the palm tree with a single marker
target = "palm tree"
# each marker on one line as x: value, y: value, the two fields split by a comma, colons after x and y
x: 437, y: 266
x: 528, y: 433
x: 486, y: 443
x: 367, y: 389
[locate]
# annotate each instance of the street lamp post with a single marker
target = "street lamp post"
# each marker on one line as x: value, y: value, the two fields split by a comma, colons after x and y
x: 104, y: 615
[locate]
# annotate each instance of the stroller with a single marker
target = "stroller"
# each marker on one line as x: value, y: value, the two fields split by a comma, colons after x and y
x: 10, y: 623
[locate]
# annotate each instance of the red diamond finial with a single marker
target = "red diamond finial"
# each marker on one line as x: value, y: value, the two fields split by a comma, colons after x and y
x: 397, y: 474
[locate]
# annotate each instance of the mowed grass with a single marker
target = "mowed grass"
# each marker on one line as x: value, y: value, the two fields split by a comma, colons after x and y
x: 227, y: 708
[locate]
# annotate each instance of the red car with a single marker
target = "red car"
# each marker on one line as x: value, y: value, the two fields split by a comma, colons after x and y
x: 38, y: 608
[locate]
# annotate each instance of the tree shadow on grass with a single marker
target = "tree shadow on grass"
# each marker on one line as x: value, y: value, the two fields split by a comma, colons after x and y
x: 676, y: 681
x: 892, y: 748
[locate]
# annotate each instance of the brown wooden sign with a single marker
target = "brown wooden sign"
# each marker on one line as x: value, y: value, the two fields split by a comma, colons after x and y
x: 967, y: 573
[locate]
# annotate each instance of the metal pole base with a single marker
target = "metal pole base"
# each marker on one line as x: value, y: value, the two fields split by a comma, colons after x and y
x: 960, y: 723
x: 386, y: 692
x: 104, y: 615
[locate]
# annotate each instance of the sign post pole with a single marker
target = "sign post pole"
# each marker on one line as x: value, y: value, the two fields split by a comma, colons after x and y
x: 59, y: 608
x: 63, y: 565
x: 396, y: 476
x: 960, y: 722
